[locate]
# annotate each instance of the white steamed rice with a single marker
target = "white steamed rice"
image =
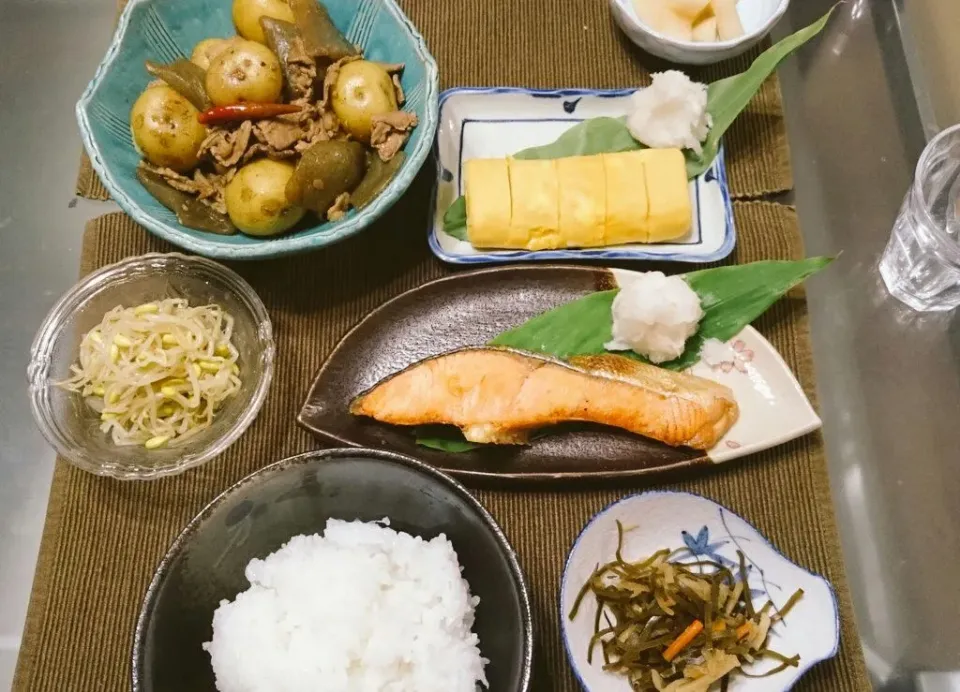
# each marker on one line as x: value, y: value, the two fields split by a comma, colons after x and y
x: 361, y: 608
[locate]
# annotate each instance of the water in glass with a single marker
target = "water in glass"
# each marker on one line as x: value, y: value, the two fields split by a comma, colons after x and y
x: 921, y: 264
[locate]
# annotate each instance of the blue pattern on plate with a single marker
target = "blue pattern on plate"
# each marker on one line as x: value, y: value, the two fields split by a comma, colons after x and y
x: 168, y: 29
x: 717, y: 171
x: 571, y: 106
x: 700, y: 546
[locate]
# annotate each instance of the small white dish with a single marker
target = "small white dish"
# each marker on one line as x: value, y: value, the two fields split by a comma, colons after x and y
x: 497, y: 122
x: 757, y: 16
x: 706, y: 529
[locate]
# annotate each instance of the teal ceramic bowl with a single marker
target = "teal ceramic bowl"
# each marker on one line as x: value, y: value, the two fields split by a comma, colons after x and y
x: 165, y: 30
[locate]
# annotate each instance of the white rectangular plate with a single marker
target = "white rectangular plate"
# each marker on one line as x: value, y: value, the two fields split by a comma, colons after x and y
x: 497, y: 122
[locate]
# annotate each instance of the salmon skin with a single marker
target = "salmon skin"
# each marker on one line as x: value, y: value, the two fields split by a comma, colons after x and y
x: 501, y: 395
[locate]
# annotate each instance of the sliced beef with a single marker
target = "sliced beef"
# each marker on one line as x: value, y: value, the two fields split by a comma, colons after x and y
x: 390, y: 132
x: 208, y: 187
x: 401, y: 97
x: 341, y: 205
x: 302, y: 72
x: 227, y: 146
x: 280, y: 133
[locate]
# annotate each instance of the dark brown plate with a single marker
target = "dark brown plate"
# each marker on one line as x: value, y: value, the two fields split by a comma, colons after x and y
x: 470, y: 309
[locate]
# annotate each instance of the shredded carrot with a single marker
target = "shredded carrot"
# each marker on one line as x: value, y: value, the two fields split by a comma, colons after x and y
x: 743, y: 630
x: 719, y: 626
x: 683, y: 641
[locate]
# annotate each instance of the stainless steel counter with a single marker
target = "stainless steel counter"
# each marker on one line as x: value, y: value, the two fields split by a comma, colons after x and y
x: 889, y: 381
x: 48, y: 51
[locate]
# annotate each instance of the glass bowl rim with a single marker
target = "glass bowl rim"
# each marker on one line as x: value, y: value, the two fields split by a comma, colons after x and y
x: 53, y: 325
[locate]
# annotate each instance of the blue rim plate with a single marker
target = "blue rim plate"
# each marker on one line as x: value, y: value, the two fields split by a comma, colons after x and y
x: 165, y: 30
x: 669, y: 519
x: 503, y: 120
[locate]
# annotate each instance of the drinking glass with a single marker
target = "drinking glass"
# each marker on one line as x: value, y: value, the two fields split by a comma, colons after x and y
x: 921, y: 264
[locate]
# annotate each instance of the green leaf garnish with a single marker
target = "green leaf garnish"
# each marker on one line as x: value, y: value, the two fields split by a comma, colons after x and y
x: 601, y: 135
x: 731, y: 297
x: 578, y: 328
x: 455, y: 219
x: 444, y: 444
x: 727, y: 98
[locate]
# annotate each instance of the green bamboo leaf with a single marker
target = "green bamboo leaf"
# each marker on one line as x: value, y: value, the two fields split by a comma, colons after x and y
x: 449, y: 438
x: 726, y: 98
x: 445, y: 441
x: 732, y: 297
x: 580, y: 327
x: 593, y: 136
x: 443, y: 445
x: 455, y: 219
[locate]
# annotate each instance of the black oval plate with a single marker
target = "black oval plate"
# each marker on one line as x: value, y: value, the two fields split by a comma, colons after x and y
x: 470, y: 309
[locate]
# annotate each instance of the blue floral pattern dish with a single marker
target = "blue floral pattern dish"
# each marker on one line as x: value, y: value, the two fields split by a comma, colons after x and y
x: 496, y: 122
x: 165, y: 30
x: 702, y: 529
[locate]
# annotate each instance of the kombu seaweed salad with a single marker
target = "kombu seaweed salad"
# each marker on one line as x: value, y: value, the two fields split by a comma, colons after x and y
x: 667, y: 624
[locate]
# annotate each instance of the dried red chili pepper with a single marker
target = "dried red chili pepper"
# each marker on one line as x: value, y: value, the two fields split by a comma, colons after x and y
x: 246, y: 111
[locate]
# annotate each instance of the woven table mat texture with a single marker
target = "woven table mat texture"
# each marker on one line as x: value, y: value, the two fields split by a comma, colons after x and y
x: 104, y: 538
x: 544, y: 44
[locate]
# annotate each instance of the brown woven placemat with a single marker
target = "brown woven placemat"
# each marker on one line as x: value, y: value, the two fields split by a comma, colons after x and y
x: 545, y: 44
x: 104, y: 538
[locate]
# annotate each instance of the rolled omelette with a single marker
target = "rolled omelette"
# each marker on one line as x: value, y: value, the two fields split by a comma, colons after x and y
x: 579, y: 201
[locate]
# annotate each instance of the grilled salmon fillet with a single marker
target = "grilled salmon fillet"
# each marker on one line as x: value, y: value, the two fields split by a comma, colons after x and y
x: 498, y: 395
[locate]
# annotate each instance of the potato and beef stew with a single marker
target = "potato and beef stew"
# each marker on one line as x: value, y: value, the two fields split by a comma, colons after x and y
x: 256, y: 131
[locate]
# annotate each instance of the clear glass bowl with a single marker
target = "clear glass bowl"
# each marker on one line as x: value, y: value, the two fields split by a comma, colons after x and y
x: 72, y: 427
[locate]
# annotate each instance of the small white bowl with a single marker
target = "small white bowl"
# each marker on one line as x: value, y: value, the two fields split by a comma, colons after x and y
x: 758, y: 18
x: 673, y: 520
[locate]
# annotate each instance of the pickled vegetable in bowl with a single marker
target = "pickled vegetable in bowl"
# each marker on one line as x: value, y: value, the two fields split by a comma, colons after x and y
x: 672, y: 621
x: 284, y: 122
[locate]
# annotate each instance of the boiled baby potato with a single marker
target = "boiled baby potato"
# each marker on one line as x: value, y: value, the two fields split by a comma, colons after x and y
x: 257, y: 200
x: 165, y: 128
x: 247, y: 13
x: 209, y: 48
x: 363, y: 90
x: 245, y: 71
